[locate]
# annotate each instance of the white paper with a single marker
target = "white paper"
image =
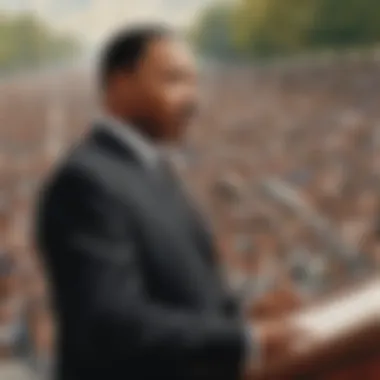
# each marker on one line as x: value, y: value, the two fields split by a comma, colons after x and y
x: 344, y: 315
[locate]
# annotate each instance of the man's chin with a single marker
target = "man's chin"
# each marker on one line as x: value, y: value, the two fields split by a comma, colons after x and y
x: 170, y: 139
x: 177, y: 132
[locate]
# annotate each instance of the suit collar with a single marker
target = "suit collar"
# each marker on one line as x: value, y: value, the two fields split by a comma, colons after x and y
x: 130, y: 138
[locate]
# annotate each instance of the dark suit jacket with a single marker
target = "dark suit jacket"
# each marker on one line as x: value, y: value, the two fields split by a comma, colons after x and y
x: 133, y: 273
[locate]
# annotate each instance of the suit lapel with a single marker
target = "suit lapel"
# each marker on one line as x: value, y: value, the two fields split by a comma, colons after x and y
x: 197, y: 223
x: 165, y: 190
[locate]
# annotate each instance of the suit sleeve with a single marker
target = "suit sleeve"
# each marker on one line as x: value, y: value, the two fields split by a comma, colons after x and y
x: 84, y: 225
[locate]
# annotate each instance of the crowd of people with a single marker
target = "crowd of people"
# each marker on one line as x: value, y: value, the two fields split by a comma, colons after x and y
x: 284, y: 161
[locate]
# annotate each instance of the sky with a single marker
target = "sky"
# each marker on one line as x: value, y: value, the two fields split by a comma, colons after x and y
x: 93, y: 20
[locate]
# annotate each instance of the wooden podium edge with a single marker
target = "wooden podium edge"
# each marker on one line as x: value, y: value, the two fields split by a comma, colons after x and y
x: 324, y: 356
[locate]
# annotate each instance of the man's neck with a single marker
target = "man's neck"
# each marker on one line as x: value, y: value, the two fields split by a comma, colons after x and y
x: 142, y: 126
x: 131, y: 136
x: 128, y: 119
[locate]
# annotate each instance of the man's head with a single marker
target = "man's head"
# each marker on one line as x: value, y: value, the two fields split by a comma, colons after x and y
x: 149, y: 78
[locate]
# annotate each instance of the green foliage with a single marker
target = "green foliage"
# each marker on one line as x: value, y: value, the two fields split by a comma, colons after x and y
x: 214, y: 32
x: 27, y: 42
x: 272, y: 26
x: 269, y: 27
x: 345, y: 23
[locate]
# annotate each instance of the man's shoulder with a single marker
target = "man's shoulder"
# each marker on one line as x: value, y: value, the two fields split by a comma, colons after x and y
x: 86, y: 165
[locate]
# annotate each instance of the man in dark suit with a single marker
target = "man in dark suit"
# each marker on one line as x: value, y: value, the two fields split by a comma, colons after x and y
x: 132, y: 264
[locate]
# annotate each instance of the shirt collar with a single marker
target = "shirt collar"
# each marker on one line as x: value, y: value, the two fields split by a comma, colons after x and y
x: 131, y: 137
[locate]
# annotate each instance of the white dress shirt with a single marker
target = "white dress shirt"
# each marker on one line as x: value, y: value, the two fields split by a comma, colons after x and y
x: 143, y: 148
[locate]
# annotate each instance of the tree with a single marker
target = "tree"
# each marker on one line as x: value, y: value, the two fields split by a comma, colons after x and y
x: 213, y: 32
x: 264, y: 27
x: 27, y: 42
x: 268, y: 27
x: 345, y: 23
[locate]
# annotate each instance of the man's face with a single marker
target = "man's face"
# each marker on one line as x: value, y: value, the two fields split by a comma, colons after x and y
x: 165, y: 85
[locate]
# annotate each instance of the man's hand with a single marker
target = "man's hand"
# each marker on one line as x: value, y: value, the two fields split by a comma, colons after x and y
x: 275, y: 338
x: 278, y: 338
x: 276, y: 304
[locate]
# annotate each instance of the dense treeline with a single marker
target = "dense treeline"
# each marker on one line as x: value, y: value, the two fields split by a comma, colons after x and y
x: 272, y: 27
x: 26, y: 42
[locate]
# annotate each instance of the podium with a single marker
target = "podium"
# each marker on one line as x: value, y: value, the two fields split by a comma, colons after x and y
x: 345, y: 340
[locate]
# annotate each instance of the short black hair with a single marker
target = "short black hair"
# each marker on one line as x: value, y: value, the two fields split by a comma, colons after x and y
x: 125, y: 49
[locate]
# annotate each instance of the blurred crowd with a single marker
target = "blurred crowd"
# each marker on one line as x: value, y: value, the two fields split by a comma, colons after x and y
x: 283, y: 160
